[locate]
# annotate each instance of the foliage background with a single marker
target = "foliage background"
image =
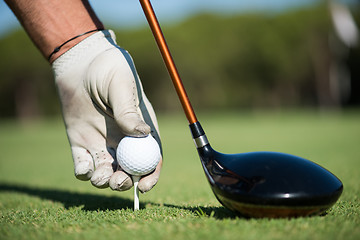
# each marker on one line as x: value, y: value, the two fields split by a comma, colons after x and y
x: 247, y: 61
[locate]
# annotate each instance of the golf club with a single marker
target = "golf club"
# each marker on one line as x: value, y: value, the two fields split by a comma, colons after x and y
x: 255, y: 184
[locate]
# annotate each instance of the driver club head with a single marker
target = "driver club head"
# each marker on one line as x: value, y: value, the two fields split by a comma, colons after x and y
x: 267, y: 184
x: 259, y: 184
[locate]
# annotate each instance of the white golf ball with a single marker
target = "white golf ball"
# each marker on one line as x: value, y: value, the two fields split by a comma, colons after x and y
x: 138, y: 156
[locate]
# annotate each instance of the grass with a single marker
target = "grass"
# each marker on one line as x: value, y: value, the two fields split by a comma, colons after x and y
x: 41, y: 199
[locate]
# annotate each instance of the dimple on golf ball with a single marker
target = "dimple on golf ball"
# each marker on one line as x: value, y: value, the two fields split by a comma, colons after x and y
x: 138, y: 156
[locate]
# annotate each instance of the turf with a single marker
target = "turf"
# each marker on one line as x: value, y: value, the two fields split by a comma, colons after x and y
x: 41, y: 199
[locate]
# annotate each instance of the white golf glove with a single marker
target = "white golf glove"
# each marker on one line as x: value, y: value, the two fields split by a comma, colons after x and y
x: 103, y: 101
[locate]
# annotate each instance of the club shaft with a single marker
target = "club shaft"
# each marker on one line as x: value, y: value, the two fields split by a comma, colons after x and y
x: 169, y: 62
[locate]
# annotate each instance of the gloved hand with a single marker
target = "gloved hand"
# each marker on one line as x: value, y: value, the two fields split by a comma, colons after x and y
x: 103, y: 101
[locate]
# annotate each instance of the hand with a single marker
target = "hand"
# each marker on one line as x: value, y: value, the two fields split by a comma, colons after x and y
x: 103, y: 101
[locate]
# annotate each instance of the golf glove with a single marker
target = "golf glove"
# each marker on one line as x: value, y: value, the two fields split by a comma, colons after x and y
x: 102, y: 101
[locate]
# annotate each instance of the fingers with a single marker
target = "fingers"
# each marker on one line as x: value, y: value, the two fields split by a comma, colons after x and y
x: 99, y: 167
x: 105, y: 166
x: 96, y: 166
x: 101, y: 176
x: 120, y: 181
x: 83, y: 163
x: 147, y: 182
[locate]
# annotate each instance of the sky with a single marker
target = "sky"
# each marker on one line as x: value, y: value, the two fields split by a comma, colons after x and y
x: 128, y: 13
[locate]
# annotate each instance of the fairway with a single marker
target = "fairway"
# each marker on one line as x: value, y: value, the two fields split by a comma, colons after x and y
x: 41, y: 199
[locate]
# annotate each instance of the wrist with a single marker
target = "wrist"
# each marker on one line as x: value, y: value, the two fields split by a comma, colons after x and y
x: 82, y: 52
x: 68, y: 44
x: 51, y: 23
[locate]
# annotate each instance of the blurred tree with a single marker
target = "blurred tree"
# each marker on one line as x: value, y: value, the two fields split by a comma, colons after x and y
x: 251, y: 60
x: 244, y: 61
x: 26, y: 85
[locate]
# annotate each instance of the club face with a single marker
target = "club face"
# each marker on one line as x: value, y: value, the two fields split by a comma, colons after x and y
x: 269, y: 184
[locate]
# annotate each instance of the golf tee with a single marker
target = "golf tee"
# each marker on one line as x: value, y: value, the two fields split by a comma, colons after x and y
x: 136, y: 192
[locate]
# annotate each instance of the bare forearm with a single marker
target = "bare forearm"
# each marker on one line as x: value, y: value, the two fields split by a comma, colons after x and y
x: 51, y: 23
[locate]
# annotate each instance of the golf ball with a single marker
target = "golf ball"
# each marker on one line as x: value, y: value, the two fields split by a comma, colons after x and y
x: 138, y: 156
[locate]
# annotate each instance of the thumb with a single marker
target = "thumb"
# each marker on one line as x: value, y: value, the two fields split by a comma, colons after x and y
x: 131, y: 123
x: 124, y: 92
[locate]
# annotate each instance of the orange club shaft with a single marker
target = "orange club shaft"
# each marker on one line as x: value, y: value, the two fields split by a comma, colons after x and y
x: 169, y: 62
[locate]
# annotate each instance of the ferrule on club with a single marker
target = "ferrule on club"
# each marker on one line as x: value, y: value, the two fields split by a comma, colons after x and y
x: 201, y: 141
x: 198, y: 135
